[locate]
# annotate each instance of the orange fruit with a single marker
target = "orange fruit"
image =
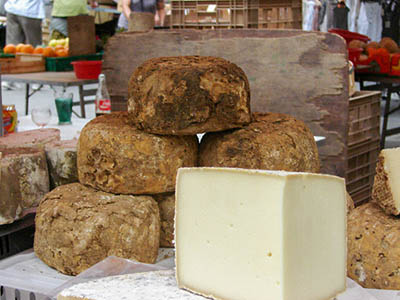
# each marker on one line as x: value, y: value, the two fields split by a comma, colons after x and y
x: 19, y: 47
x: 10, y: 49
x: 27, y: 49
x: 48, y: 52
x: 61, y: 53
x: 38, y: 50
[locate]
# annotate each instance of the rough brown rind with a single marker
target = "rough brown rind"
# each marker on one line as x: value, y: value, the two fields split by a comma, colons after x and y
x: 272, y: 142
x: 188, y: 95
x: 76, y: 227
x: 115, y: 157
x: 24, y: 180
x: 61, y: 159
x: 381, y: 191
x: 30, y: 138
x: 373, y: 252
x: 166, y: 204
x: 350, y: 203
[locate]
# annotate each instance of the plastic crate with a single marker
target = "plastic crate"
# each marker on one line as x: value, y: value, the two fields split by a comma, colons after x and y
x: 360, y: 173
x: 62, y: 64
x: 17, y: 236
x: 202, y: 14
x: 364, y: 117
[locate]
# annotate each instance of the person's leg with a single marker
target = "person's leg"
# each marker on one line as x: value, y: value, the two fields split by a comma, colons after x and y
x: 14, y: 33
x: 33, y: 30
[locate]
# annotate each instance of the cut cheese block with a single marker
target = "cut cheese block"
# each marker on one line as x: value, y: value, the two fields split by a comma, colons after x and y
x: 373, y: 248
x: 386, y: 189
x: 188, y: 95
x: 30, y: 138
x: 138, y: 286
x: 76, y: 227
x: 271, y: 142
x: 166, y: 204
x: 250, y: 234
x: 115, y: 157
x: 61, y: 159
x: 24, y: 180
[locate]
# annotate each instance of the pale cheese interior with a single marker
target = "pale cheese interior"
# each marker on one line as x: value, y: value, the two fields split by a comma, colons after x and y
x: 392, y: 168
x: 260, y: 235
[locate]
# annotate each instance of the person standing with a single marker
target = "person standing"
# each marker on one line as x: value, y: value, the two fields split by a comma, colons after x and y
x: 155, y: 7
x: 24, y: 21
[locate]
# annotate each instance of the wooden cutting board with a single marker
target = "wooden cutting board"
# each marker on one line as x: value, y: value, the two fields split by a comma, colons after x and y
x: 304, y: 74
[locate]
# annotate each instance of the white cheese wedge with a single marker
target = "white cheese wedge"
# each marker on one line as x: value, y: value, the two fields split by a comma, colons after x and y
x: 386, y: 190
x: 262, y: 235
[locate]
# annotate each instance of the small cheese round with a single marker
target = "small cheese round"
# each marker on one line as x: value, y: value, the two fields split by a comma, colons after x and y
x: 77, y: 226
x: 166, y: 204
x: 115, y: 157
x: 188, y: 95
x: 373, y: 252
x: 271, y: 142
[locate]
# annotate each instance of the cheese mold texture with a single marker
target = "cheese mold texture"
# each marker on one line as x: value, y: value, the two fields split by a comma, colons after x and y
x: 146, y: 286
x: 252, y: 234
x: 386, y: 190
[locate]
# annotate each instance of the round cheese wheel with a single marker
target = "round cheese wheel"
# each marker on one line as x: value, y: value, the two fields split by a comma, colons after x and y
x: 188, y: 95
x: 115, y: 157
x: 373, y: 250
x: 271, y: 142
x: 77, y: 226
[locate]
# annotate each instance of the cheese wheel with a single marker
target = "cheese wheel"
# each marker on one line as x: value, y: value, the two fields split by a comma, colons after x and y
x: 188, y: 95
x: 24, y: 180
x: 115, y: 157
x: 146, y: 286
x: 350, y: 203
x: 271, y: 142
x: 30, y: 138
x: 386, y: 189
x: 166, y: 204
x: 61, y: 159
x: 76, y: 227
x: 373, y: 247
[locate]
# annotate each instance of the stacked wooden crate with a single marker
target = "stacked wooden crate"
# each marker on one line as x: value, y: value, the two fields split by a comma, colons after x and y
x: 362, y: 144
x: 217, y: 14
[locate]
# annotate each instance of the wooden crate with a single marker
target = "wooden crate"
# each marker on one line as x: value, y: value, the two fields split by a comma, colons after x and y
x: 23, y: 63
x: 363, y: 144
x: 218, y: 14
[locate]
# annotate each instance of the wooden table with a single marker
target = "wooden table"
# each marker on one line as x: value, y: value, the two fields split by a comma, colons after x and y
x: 390, y: 84
x: 63, y: 79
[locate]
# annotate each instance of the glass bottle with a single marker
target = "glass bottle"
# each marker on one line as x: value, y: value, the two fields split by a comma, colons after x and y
x: 103, y: 102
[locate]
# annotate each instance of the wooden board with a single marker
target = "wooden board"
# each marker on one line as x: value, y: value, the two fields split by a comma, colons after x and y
x: 82, y: 35
x: 304, y: 74
x: 23, y: 63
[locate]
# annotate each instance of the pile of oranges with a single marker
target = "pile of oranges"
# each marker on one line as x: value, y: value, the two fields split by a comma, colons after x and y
x: 57, y: 51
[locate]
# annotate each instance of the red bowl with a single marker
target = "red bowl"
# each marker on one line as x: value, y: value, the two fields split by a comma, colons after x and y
x: 87, y: 69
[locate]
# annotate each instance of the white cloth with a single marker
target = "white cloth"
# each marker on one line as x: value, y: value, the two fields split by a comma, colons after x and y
x: 369, y: 20
x: 26, y: 8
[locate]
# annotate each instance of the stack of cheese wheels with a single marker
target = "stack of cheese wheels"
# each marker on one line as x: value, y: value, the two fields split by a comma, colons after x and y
x: 171, y: 100
x: 374, y: 229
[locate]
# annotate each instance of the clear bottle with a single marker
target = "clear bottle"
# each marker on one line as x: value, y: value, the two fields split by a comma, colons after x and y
x: 103, y: 102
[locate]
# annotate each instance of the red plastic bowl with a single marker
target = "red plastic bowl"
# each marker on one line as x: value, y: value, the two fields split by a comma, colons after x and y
x: 349, y: 35
x: 87, y: 69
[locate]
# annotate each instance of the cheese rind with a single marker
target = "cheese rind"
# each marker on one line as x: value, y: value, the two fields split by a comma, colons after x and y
x: 271, y: 141
x: 77, y: 226
x: 116, y: 157
x: 188, y: 95
x: 166, y: 204
x: 251, y: 234
x: 386, y: 189
x: 373, y: 247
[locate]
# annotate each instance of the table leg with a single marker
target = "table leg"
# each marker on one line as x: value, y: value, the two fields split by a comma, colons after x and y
x: 82, y: 102
x: 386, y: 117
x: 26, y: 98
